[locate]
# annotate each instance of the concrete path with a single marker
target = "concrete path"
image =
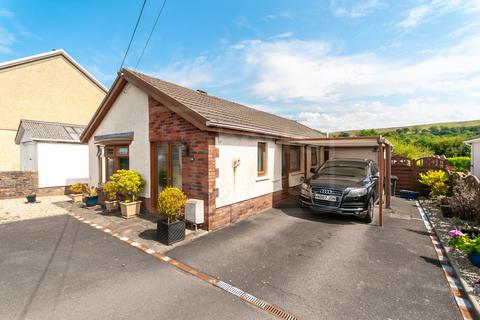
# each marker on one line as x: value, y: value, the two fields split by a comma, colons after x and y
x: 60, y: 268
x: 322, y: 267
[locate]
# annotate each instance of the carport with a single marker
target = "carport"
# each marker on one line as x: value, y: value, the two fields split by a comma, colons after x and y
x: 375, y: 148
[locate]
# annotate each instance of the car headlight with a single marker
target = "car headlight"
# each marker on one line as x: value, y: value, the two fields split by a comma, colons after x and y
x: 305, y: 190
x: 305, y: 186
x: 357, y: 192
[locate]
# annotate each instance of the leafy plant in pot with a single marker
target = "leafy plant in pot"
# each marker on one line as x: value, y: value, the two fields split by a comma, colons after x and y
x: 32, y: 197
x: 110, y: 192
x: 77, y: 190
x: 469, y: 246
x: 91, y: 196
x: 129, y: 184
x: 171, y: 204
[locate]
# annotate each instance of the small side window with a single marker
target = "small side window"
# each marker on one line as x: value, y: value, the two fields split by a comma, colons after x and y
x: 262, y: 159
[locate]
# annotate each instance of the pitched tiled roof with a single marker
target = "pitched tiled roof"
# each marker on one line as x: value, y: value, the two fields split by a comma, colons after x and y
x: 43, y: 130
x: 219, y: 112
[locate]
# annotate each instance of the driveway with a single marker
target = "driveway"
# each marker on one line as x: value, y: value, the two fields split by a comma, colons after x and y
x: 60, y: 268
x: 322, y: 267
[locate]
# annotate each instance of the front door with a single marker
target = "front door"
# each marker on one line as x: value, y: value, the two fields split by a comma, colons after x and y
x: 167, y: 166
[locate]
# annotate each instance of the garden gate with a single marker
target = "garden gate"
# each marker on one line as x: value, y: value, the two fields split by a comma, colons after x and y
x: 408, y: 170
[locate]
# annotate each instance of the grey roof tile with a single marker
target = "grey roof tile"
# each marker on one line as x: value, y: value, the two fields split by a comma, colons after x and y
x: 44, y: 130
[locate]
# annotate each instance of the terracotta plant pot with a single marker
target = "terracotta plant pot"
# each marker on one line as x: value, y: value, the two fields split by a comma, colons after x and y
x: 77, y: 197
x: 111, y: 206
x: 130, y: 209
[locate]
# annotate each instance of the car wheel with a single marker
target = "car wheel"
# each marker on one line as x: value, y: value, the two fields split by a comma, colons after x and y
x: 371, y: 207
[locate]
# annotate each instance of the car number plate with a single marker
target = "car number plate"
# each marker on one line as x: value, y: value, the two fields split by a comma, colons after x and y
x: 325, y: 197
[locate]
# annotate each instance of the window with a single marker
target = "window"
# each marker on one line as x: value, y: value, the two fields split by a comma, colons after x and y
x: 116, y: 159
x: 295, y: 158
x: 313, y: 156
x: 262, y: 159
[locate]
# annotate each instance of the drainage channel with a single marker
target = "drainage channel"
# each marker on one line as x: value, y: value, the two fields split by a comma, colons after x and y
x: 248, y: 298
x: 463, y: 303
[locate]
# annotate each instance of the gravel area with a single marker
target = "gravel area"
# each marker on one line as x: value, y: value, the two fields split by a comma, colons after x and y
x: 18, y: 209
x: 469, y: 273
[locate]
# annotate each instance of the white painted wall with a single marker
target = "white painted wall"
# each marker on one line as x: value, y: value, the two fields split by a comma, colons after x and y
x: 28, y: 156
x: 353, y: 153
x: 246, y: 184
x: 475, y: 158
x: 61, y: 164
x: 128, y: 113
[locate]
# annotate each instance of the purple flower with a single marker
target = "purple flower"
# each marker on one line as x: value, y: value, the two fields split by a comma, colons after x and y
x: 455, y: 233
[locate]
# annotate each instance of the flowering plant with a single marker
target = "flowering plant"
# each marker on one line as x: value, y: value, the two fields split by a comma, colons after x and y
x: 463, y: 243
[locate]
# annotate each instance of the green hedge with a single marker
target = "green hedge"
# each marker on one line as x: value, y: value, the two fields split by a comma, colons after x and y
x: 460, y: 163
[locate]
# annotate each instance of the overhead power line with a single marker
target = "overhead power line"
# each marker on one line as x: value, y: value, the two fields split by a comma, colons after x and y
x: 133, y: 34
x: 151, y: 32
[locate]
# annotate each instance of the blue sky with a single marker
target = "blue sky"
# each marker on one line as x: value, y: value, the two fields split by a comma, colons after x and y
x: 333, y: 65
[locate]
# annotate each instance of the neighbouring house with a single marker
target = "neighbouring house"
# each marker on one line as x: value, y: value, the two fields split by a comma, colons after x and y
x: 237, y: 159
x: 475, y: 155
x: 55, y: 152
x: 47, y: 87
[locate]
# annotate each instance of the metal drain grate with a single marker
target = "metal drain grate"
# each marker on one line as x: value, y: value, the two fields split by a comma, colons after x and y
x: 279, y: 313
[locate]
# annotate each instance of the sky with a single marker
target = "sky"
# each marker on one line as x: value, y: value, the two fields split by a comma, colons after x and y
x: 332, y: 65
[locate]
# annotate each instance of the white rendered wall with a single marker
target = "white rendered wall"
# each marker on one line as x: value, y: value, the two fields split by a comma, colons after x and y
x: 353, y: 153
x: 61, y: 164
x: 475, y: 158
x: 246, y: 184
x: 128, y: 113
x: 28, y: 156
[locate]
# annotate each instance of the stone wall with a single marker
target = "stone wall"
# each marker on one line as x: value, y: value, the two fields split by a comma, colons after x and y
x: 14, y: 184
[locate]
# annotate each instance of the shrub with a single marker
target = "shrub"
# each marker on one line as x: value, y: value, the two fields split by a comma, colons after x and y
x: 91, y: 191
x: 463, y: 243
x: 77, y: 188
x: 461, y: 164
x: 110, y: 190
x: 171, y: 201
x: 464, y: 200
x: 129, y: 183
x: 437, y: 180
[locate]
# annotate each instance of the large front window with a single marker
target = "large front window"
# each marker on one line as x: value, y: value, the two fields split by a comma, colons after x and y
x: 116, y: 159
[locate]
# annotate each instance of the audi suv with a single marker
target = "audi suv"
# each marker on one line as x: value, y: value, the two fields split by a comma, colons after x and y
x: 345, y: 186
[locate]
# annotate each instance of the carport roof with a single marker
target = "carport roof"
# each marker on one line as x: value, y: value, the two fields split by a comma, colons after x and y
x: 339, y: 141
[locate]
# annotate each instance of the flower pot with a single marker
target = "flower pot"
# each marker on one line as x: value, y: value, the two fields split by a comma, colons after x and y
x: 446, y: 211
x: 32, y: 198
x: 91, y: 201
x: 111, y: 206
x: 169, y: 233
x: 130, y: 209
x: 77, y: 197
x: 474, y: 259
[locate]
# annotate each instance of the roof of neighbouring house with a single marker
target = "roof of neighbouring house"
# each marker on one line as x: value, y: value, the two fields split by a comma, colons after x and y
x: 33, y: 130
x: 210, y: 112
x: 49, y: 55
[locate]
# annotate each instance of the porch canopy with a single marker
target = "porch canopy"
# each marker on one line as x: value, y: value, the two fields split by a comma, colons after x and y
x: 383, y: 148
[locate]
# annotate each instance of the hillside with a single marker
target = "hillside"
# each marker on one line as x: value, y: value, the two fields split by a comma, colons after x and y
x: 458, y: 124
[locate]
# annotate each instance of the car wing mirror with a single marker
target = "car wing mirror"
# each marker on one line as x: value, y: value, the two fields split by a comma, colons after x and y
x: 376, y: 176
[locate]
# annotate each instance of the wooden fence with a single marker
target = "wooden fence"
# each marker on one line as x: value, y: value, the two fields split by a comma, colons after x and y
x: 408, y: 170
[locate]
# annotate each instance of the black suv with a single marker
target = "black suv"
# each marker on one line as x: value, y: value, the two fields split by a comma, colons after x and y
x: 346, y: 186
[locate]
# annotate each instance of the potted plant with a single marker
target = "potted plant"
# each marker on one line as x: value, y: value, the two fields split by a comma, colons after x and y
x: 129, y: 184
x: 91, y: 196
x: 469, y: 246
x: 445, y: 207
x: 171, y: 202
x: 110, y: 191
x: 77, y: 189
x: 32, y: 197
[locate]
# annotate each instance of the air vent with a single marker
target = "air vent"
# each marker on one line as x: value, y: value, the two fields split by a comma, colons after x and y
x: 201, y: 91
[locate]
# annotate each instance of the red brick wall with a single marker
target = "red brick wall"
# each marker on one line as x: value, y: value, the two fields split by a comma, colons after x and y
x: 198, y: 175
x: 16, y: 184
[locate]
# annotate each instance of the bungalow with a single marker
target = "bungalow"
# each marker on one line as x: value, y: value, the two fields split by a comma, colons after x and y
x: 475, y: 155
x: 238, y: 160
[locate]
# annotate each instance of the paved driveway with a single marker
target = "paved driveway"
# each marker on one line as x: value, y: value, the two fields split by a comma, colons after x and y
x: 60, y: 268
x: 323, y: 267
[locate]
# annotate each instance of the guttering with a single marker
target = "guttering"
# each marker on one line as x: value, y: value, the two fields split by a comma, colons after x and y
x: 56, y: 140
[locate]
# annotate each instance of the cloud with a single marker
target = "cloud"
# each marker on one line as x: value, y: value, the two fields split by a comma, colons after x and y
x: 277, y: 16
x: 283, y: 35
x: 415, y: 16
x: 464, y: 29
x: 6, y: 40
x: 359, y: 9
x: 242, y: 22
x: 6, y: 13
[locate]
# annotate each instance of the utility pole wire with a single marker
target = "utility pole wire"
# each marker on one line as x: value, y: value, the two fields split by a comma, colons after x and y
x: 133, y: 34
x: 151, y: 32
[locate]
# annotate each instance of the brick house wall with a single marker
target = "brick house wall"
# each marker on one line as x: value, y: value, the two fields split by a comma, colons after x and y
x: 199, y: 175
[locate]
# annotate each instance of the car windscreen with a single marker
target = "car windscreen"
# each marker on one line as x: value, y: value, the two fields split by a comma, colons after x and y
x: 343, y: 169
